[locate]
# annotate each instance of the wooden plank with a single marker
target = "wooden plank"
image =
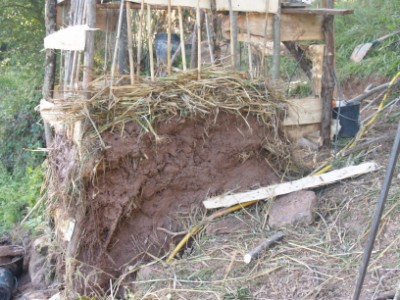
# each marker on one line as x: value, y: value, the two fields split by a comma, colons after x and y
x: 316, y: 54
x: 261, y: 6
x: 293, y: 27
x: 292, y: 186
x: 203, y: 4
x: 317, y: 11
x: 297, y: 132
x: 106, y: 19
x: 303, y: 111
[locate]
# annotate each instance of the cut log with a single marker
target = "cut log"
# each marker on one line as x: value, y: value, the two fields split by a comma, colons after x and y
x: 292, y: 186
x: 11, y: 250
x: 265, y: 245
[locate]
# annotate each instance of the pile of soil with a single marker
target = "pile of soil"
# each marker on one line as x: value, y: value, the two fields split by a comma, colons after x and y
x: 147, y: 186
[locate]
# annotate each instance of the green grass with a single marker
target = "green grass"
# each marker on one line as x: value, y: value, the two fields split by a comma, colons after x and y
x: 371, y: 20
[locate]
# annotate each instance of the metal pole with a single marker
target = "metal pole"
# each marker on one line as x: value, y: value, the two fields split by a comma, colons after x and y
x: 378, y: 214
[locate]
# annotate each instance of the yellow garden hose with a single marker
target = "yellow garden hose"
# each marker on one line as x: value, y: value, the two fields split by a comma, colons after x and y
x: 195, y: 229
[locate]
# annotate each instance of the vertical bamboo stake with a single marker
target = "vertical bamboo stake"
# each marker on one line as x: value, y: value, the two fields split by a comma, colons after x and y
x: 249, y: 47
x: 169, y: 64
x: 198, y: 40
x: 130, y: 44
x: 210, y: 47
x: 276, y: 58
x: 234, y: 35
x: 139, y: 50
x: 78, y: 68
x: 121, y: 10
x: 183, y: 50
x: 106, y: 44
x: 150, y: 38
x: 263, y: 69
x: 88, y: 58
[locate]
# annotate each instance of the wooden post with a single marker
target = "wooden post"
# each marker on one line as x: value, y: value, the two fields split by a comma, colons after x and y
x: 198, y: 40
x: 139, y: 49
x: 121, y: 10
x: 328, y: 76
x: 182, y: 38
x: 150, y: 38
x: 276, y: 58
x: 169, y: 63
x: 123, y: 51
x: 88, y: 61
x: 214, y: 30
x: 130, y: 42
x: 210, y: 44
x: 249, y: 47
x: 234, y: 36
x: 50, y: 62
x: 194, y: 52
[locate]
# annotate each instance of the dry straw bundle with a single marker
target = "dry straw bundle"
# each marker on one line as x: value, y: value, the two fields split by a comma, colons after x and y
x: 182, y: 95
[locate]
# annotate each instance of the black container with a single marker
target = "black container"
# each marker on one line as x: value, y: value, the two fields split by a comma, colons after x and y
x: 7, y: 283
x: 348, y: 118
x: 161, y: 46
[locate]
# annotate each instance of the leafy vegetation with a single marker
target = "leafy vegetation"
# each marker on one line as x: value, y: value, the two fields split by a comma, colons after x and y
x: 21, y: 68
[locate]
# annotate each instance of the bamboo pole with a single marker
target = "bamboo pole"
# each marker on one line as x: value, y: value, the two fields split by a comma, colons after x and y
x: 140, y: 41
x: 210, y: 46
x: 150, y: 39
x: 249, y: 47
x: 50, y: 63
x: 182, y: 37
x: 198, y: 40
x: 121, y: 10
x: 232, y: 33
x: 130, y: 43
x: 88, y: 59
x: 276, y: 58
x: 169, y: 64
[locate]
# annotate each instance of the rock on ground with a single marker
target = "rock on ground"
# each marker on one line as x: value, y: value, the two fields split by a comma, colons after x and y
x: 293, y: 208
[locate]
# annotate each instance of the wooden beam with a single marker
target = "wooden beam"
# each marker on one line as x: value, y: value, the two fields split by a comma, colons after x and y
x: 303, y: 111
x: 328, y: 77
x: 204, y: 4
x: 317, y: 11
x: 270, y: 6
x: 106, y: 18
x: 292, y: 186
x: 293, y: 27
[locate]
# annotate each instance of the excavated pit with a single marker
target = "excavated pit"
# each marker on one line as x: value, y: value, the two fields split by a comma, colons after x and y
x: 150, y: 185
x: 127, y: 172
x: 146, y: 186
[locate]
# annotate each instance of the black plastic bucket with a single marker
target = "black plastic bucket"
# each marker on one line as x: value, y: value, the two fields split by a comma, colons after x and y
x: 161, y: 46
x: 7, y: 283
x: 348, y: 118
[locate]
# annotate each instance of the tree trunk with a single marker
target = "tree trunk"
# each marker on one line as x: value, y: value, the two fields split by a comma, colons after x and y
x: 88, y: 61
x: 50, y: 62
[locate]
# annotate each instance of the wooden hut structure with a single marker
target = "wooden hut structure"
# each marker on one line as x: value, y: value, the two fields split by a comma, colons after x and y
x: 102, y: 76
